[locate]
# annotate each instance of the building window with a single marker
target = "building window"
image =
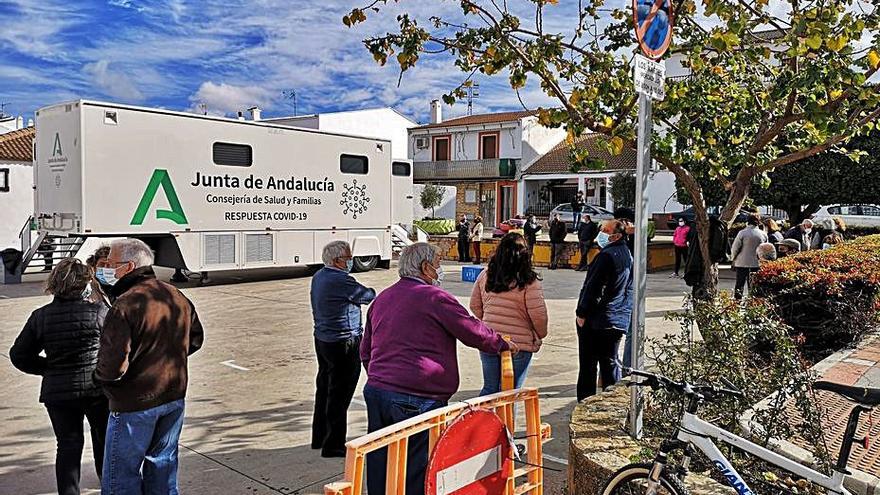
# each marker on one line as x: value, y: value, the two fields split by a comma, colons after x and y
x: 233, y: 155
x: 489, y: 145
x: 401, y: 169
x: 4, y: 180
x: 353, y: 164
x: 442, y: 152
x: 470, y: 196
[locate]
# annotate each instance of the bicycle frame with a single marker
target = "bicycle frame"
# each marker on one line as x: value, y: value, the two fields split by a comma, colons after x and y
x: 699, y: 433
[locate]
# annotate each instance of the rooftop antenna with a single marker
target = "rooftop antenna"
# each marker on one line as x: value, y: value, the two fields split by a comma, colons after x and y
x: 3, y: 110
x: 203, y: 108
x: 473, y: 92
x: 290, y: 94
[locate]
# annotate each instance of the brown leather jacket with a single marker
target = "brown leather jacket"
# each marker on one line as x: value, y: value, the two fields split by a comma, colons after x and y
x: 148, y: 334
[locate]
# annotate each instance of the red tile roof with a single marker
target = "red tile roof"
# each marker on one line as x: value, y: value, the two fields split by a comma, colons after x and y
x: 16, y: 146
x: 556, y: 161
x: 486, y: 118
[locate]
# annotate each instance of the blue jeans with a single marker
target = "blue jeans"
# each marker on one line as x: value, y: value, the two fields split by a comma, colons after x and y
x: 384, y: 408
x: 140, y: 451
x: 492, y: 371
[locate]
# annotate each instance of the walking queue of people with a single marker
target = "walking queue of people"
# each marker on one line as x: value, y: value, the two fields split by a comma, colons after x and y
x: 121, y: 367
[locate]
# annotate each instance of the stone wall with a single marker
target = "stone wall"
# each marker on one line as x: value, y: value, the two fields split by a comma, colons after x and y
x: 599, y: 446
x: 660, y: 254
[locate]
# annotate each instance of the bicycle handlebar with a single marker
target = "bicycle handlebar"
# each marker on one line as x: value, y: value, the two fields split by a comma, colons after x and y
x: 657, y: 382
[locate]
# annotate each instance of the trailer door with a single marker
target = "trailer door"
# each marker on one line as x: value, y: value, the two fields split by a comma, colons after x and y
x: 401, y: 192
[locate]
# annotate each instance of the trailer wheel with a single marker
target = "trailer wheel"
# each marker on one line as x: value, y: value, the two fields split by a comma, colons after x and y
x: 365, y: 263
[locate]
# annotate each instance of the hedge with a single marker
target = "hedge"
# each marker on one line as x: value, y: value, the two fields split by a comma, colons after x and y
x: 829, y: 297
x: 440, y: 226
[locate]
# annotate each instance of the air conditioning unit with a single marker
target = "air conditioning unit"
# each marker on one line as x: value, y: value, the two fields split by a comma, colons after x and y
x: 421, y: 143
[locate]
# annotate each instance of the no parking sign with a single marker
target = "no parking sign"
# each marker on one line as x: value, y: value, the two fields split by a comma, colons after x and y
x: 472, y: 457
x: 653, y: 21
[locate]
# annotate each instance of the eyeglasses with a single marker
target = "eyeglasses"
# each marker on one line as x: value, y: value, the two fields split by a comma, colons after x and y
x: 111, y: 264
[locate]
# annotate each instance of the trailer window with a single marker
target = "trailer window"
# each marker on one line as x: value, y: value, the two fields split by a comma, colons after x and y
x: 400, y: 168
x: 233, y: 155
x: 4, y: 180
x: 352, y: 164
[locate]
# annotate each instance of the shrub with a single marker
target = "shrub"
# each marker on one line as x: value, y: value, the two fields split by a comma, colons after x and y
x: 828, y: 297
x: 440, y: 226
x: 750, y: 347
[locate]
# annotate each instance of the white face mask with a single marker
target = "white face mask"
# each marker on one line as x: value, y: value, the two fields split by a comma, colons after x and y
x: 106, y: 276
x: 808, y: 231
x: 681, y: 224
x: 439, y: 280
x: 87, y: 292
x: 825, y: 245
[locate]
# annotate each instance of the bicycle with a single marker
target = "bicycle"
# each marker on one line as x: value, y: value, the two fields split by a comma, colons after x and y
x: 693, y: 434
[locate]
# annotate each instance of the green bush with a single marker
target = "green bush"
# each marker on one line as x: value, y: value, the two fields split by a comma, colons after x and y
x: 750, y: 347
x: 830, y: 298
x: 441, y: 226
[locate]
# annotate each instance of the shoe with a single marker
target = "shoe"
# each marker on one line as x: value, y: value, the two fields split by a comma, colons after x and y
x: 673, y: 275
x: 330, y: 453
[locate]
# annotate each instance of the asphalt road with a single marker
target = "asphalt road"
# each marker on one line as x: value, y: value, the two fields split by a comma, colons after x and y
x: 250, y: 399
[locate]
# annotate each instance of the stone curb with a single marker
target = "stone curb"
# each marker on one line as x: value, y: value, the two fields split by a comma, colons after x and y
x: 858, y: 482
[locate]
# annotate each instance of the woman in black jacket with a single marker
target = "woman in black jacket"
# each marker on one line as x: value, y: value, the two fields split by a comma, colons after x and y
x: 68, y: 330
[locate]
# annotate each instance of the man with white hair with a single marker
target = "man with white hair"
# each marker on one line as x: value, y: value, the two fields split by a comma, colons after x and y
x: 806, y: 235
x: 766, y: 251
x: 148, y: 334
x: 409, y: 352
x: 336, y: 307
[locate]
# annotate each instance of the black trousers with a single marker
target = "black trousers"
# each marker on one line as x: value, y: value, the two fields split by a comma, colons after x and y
x: 742, y: 279
x: 464, y: 249
x: 339, y: 367
x: 585, y: 251
x: 597, y: 348
x: 681, y: 254
x: 67, y: 423
x: 556, y: 249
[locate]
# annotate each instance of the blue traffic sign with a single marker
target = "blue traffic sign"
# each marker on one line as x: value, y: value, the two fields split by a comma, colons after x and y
x: 653, y: 21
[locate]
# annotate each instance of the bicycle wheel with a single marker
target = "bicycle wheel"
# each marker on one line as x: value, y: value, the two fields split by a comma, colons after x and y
x: 633, y: 480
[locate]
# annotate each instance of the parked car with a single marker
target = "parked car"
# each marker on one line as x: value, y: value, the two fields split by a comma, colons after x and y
x: 689, y: 216
x: 852, y: 215
x: 511, y: 225
x: 597, y: 213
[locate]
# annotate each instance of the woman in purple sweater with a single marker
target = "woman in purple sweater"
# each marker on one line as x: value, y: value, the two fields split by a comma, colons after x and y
x: 408, y: 350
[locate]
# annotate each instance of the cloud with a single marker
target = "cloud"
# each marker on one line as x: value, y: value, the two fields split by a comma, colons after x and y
x: 114, y: 84
x: 223, y: 99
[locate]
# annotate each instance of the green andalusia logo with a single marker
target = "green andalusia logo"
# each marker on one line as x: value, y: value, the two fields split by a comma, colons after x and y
x: 56, y: 148
x: 159, y: 179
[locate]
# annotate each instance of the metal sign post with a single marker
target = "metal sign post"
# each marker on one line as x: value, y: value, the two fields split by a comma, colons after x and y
x: 653, y: 27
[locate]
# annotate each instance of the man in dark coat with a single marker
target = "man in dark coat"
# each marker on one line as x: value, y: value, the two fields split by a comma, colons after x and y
x: 148, y: 336
x: 558, y: 231
x: 531, y: 229
x: 577, y: 206
x: 806, y: 234
x: 464, y: 245
x: 587, y: 232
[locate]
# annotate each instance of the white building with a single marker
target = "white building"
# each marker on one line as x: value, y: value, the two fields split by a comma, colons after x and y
x: 385, y: 123
x: 16, y: 184
x: 8, y: 123
x: 483, y: 156
x: 550, y: 181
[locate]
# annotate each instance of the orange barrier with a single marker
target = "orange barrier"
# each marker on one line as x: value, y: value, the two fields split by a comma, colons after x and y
x: 395, y: 438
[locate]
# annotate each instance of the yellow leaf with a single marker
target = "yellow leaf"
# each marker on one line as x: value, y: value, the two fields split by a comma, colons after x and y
x: 608, y: 122
x: 836, y: 44
x: 874, y: 59
x: 575, y: 97
x: 836, y: 94
x: 569, y: 138
x: 711, y: 141
x: 616, y: 145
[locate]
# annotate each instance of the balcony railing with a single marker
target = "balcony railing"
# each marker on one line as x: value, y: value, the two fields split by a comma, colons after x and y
x: 504, y: 168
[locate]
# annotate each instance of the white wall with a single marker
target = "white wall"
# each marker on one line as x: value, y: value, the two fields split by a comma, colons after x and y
x: 661, y: 193
x: 382, y: 123
x: 446, y: 208
x: 537, y: 140
x: 17, y: 204
x: 465, y: 141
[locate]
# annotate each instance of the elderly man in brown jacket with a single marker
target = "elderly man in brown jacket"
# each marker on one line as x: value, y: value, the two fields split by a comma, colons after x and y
x: 148, y: 334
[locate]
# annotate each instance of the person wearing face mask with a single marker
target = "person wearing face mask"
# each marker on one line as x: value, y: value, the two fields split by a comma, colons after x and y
x: 409, y: 352
x: 149, y: 334
x: 67, y: 332
x: 806, y: 235
x: 336, y: 299
x: 604, y: 309
x: 679, y: 241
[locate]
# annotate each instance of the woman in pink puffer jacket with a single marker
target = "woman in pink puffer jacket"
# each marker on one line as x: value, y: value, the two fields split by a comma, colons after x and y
x: 509, y: 298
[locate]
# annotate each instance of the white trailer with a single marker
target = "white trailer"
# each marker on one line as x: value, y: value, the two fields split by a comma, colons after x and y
x: 211, y: 193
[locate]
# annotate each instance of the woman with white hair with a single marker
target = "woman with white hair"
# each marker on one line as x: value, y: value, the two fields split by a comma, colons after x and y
x: 409, y: 352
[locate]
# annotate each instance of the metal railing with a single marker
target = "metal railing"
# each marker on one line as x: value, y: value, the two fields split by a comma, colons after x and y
x: 495, y: 168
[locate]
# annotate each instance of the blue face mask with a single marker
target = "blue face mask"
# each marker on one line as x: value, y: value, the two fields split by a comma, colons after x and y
x: 603, y: 240
x: 349, y: 264
x: 106, y: 276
